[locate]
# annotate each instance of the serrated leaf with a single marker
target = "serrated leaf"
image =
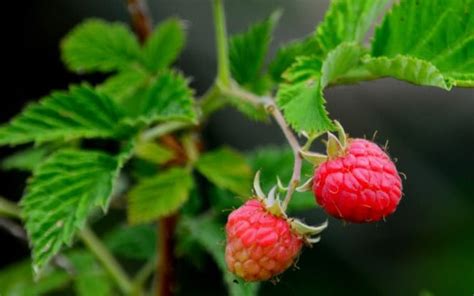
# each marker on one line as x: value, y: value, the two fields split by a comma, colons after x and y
x: 25, y: 160
x: 167, y: 97
x: 207, y: 232
x: 62, y: 193
x: 304, y: 68
x: 439, y: 32
x: 339, y: 61
x: 409, y: 69
x: 164, y: 45
x: 95, y: 45
x: 79, y: 113
x: 159, y: 196
x: 347, y: 21
x: 133, y: 242
x: 17, y: 279
x: 247, y: 51
x: 124, y: 84
x: 226, y: 169
x: 287, y: 54
x: 90, y: 278
x: 153, y: 152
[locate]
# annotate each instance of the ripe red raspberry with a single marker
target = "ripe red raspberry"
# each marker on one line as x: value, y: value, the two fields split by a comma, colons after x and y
x: 362, y: 185
x: 260, y: 245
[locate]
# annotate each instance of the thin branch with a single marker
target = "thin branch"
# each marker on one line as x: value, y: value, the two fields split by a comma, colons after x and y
x: 141, y: 20
x: 163, y: 129
x: 103, y: 255
x: 166, y: 278
x: 223, y: 69
x: 9, y: 208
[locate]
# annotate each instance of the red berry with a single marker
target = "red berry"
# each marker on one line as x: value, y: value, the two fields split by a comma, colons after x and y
x: 362, y: 185
x: 260, y: 245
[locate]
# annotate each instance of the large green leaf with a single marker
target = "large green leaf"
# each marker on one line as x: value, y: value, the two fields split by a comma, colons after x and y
x: 247, y: 51
x: 159, y: 196
x: 423, y: 35
x: 134, y: 242
x: 226, y: 169
x: 164, y: 44
x: 90, y: 278
x: 209, y: 234
x: 347, y: 21
x: 79, y: 113
x: 95, y: 45
x: 18, y: 280
x: 64, y: 191
x: 301, y: 98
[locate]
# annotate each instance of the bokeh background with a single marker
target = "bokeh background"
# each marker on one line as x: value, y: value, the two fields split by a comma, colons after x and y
x: 425, y: 248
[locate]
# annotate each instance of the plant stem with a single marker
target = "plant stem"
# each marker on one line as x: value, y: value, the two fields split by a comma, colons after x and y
x: 106, y: 259
x: 141, y: 20
x: 163, y: 129
x: 166, y: 279
x: 223, y: 69
x: 9, y: 209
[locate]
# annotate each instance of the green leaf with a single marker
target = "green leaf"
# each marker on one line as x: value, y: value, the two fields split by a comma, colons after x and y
x: 226, y: 169
x: 247, y: 51
x: 302, y: 97
x: 347, y: 21
x: 164, y: 45
x: 277, y: 161
x: 287, y: 54
x: 153, y: 152
x: 133, y: 242
x: 79, y: 113
x: 159, y: 196
x: 167, y: 97
x: 409, y: 69
x: 210, y: 235
x: 441, y: 33
x: 95, y: 45
x: 64, y: 191
x: 17, y: 280
x: 25, y: 160
x: 124, y: 84
x: 90, y: 278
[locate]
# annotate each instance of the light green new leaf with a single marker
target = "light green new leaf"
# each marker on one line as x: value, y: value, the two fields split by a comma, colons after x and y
x: 438, y: 32
x: 153, y: 152
x: 124, y: 84
x: 64, y: 191
x: 90, y: 278
x: 164, y: 45
x: 95, y: 45
x: 247, y: 51
x: 159, y: 196
x: 207, y: 232
x: 287, y: 54
x: 133, y: 242
x: 347, y: 21
x: 226, y: 169
x: 25, y: 160
x: 18, y: 280
x: 79, y: 113
x: 339, y: 61
x: 167, y: 97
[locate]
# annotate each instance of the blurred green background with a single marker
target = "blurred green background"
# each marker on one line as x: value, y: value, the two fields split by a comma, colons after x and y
x: 425, y: 248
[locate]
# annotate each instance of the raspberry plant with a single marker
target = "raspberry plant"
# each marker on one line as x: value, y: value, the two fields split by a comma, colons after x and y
x: 146, y: 111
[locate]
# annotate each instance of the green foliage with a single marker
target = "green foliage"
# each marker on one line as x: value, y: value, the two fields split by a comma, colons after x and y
x: 434, y: 36
x: 347, y: 21
x: 153, y: 152
x: 227, y: 169
x: 164, y: 45
x: 25, y: 160
x: 209, y: 234
x: 134, y: 242
x: 63, y: 192
x: 247, y: 51
x: 17, y: 279
x: 123, y: 85
x: 79, y: 113
x: 90, y: 278
x: 159, y: 196
x: 96, y: 45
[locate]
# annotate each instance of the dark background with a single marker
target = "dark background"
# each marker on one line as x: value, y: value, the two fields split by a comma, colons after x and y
x: 426, y: 247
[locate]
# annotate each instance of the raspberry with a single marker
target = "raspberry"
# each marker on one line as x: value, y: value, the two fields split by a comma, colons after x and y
x: 260, y: 245
x: 362, y: 185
